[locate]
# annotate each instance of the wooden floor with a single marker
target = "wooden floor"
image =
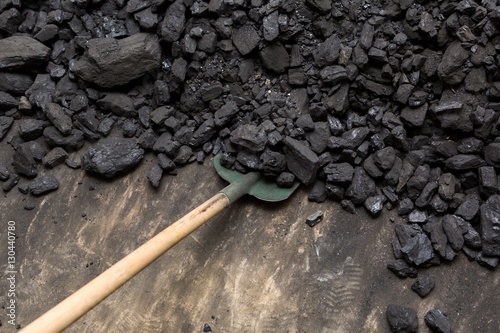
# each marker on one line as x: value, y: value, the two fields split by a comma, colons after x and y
x: 256, y: 267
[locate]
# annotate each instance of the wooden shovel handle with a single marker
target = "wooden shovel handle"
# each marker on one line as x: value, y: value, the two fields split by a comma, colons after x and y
x: 75, y: 306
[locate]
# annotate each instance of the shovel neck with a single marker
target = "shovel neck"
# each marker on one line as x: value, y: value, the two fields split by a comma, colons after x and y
x: 240, y: 187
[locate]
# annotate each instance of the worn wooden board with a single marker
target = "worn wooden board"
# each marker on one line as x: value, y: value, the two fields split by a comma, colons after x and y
x: 257, y: 267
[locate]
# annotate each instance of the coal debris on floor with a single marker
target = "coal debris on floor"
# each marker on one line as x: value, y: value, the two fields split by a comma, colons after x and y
x: 375, y: 106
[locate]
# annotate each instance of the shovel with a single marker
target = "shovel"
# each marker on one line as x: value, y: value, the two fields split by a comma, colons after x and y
x: 83, y: 300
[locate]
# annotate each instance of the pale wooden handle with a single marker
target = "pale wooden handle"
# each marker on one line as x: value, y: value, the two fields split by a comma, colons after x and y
x: 83, y: 300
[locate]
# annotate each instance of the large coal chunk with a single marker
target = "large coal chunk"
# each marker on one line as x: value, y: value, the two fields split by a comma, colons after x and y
x: 173, y: 23
x: 22, y: 51
x: 43, y: 184
x: 490, y: 226
x: 111, y: 157
x: 301, y: 160
x: 402, y: 319
x: 107, y: 61
x: 437, y: 321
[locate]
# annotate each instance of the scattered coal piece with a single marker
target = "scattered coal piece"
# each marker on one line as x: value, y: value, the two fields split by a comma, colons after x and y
x: 402, y: 269
x: 423, y: 285
x: 54, y: 157
x: 402, y: 319
x: 315, y: 218
x: 318, y: 192
x: 112, y: 157
x: 486, y: 261
x: 155, y: 175
x: 437, y: 321
x: 43, y: 184
x: 10, y: 183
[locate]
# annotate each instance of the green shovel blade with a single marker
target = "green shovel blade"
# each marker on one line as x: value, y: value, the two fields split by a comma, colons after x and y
x: 262, y: 188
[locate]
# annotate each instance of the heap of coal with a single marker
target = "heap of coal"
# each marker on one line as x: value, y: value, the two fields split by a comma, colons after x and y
x: 374, y: 104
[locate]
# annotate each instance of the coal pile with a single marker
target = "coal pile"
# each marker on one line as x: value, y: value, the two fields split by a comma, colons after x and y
x: 373, y: 104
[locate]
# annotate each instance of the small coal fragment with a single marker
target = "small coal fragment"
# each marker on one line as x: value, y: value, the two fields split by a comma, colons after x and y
x: 43, y: 184
x: 118, y: 103
x: 285, y: 179
x: 490, y: 226
x: 250, y: 137
x: 10, y: 183
x: 4, y: 172
x: 453, y: 232
x: 401, y: 268
x: 207, y: 328
x: 275, y: 57
x: 492, y: 154
x: 486, y: 261
x: 72, y: 164
x: 437, y: 321
x: 348, y: 206
x: 446, y: 186
x: 59, y: 118
x: 54, y: 138
x: 487, y: 181
x: 424, y: 284
x: 24, y: 161
x: 464, y: 162
x: 273, y: 163
x: 339, y: 172
x: 54, y: 157
x: 155, y: 175
x: 374, y: 204
x: 314, y: 219
x: 5, y: 125
x: 405, y: 206
x: 402, y: 319
x: 110, y: 157
x: 417, y: 216
x: 328, y: 51
x: 469, y: 208
x: 30, y: 205
x: 31, y: 129
x: 318, y: 192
